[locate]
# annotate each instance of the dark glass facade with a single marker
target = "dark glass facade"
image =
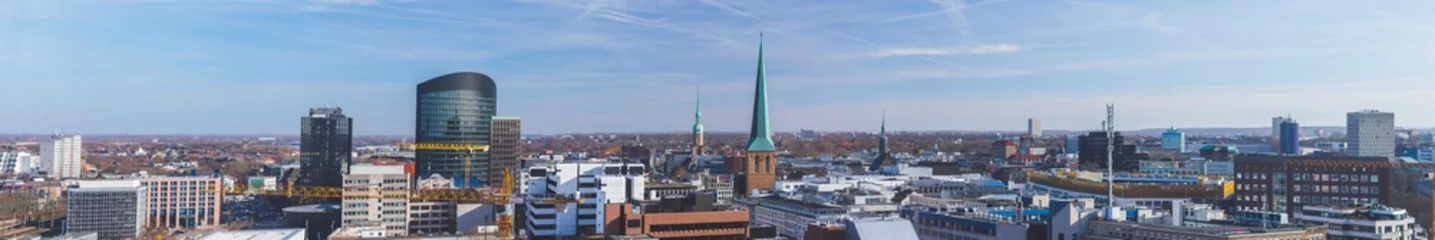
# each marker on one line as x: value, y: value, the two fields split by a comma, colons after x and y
x: 326, y: 144
x: 1290, y: 137
x: 455, y: 108
x: 1092, y: 153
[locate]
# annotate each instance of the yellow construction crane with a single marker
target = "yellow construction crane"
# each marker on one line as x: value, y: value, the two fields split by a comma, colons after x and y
x: 467, y: 159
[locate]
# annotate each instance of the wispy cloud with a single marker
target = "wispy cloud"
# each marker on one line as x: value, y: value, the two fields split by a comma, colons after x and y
x: 1152, y: 22
x: 980, y: 49
x: 952, y: 7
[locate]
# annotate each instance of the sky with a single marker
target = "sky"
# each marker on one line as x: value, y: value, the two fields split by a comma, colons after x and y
x: 577, y: 66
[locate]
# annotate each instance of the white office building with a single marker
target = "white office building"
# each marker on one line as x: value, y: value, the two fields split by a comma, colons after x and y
x: 1370, y: 133
x: 1033, y: 127
x: 17, y: 162
x: 376, y: 201
x: 62, y: 156
x: 596, y: 183
x: 1369, y: 222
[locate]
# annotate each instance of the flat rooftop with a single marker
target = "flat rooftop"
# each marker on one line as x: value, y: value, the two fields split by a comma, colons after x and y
x: 267, y: 234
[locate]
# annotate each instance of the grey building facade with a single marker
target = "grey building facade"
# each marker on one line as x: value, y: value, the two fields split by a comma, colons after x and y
x: 112, y: 212
x: 507, y: 135
x: 456, y: 108
x: 1370, y: 133
x: 326, y: 147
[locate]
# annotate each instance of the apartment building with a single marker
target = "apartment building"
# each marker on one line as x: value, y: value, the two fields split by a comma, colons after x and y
x: 62, y: 156
x: 376, y: 200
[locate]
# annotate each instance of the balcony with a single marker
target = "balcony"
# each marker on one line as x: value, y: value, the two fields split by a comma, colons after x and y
x: 587, y: 211
x: 542, y: 221
x: 536, y: 210
x: 587, y: 222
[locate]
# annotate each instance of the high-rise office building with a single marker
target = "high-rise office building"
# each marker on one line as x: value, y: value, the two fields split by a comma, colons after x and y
x: 457, y: 108
x: 325, y: 147
x: 1275, y: 139
x: 1033, y: 127
x: 1092, y: 153
x: 114, y: 209
x: 1370, y: 133
x: 62, y: 156
x: 759, y: 168
x: 376, y: 200
x: 1290, y: 137
x: 507, y: 136
x: 1173, y: 139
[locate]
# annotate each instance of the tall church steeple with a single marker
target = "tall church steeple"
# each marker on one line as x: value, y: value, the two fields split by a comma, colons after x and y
x: 882, y: 156
x: 760, y: 138
x: 759, y: 169
x: 698, y: 124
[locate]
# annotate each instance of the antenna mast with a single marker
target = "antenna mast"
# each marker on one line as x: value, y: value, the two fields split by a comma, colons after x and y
x: 1110, y: 127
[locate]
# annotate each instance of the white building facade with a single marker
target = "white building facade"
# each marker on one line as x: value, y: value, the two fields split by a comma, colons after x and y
x: 17, y: 162
x: 376, y: 197
x: 62, y: 156
x: 594, y: 183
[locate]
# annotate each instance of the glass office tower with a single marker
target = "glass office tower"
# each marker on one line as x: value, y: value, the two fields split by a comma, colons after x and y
x: 325, y: 147
x: 455, y: 108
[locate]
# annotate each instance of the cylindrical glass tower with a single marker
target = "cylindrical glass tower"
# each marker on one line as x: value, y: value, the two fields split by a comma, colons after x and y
x: 455, y: 108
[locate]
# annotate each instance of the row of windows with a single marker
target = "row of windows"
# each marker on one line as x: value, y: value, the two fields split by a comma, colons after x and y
x: 950, y: 225
x: 1322, y: 177
x: 699, y: 226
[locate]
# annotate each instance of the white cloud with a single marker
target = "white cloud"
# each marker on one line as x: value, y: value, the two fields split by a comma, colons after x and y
x: 981, y: 49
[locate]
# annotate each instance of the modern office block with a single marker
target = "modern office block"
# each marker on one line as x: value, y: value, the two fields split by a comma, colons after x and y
x: 1370, y: 133
x: 457, y: 108
x: 114, y: 210
x: 1173, y: 139
x: 183, y: 202
x: 1290, y: 138
x: 325, y: 148
x: 1033, y: 127
x: 507, y: 136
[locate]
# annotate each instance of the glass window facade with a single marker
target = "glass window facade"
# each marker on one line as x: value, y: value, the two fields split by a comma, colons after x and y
x: 326, y: 142
x: 455, y: 108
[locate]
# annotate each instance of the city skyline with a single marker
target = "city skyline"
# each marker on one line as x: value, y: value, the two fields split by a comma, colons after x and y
x: 237, y: 67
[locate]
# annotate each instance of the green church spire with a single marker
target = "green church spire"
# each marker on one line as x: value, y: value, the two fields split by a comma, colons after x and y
x: 698, y: 113
x: 760, y: 138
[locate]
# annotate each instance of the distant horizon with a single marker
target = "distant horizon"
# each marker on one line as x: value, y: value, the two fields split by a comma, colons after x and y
x: 682, y: 132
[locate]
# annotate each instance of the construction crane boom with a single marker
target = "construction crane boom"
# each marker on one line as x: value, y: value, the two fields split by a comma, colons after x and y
x: 467, y: 159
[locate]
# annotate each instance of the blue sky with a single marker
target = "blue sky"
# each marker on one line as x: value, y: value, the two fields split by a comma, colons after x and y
x: 256, y: 66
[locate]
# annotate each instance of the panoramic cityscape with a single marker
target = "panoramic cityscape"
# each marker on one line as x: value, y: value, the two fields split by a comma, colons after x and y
x: 716, y: 119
